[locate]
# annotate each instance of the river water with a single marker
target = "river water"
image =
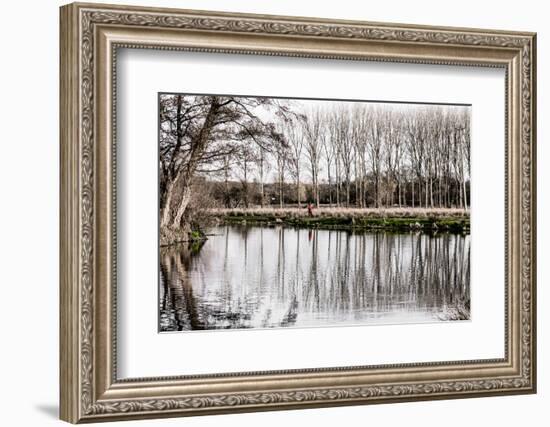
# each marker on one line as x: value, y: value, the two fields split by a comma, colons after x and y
x: 268, y: 277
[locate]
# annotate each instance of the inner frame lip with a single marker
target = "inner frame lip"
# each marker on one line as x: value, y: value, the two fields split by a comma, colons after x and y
x: 504, y: 362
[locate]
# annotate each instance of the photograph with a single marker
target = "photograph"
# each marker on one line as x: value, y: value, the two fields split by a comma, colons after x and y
x: 280, y: 212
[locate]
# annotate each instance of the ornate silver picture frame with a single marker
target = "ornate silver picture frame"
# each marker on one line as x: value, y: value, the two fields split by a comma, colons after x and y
x: 91, y: 37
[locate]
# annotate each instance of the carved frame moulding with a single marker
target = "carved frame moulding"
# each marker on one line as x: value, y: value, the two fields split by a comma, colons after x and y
x: 91, y: 34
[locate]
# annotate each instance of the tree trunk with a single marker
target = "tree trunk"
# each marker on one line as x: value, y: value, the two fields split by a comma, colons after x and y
x: 226, y: 181
x: 389, y: 192
x: 185, y: 198
x: 426, y: 192
x: 377, y: 191
x: 280, y: 191
x: 245, y: 184
x: 337, y: 180
x: 364, y: 189
x: 459, y: 191
x: 262, y: 178
x: 357, y: 196
x: 440, y: 190
x: 431, y: 193
x: 198, y: 146
x: 329, y: 187
x: 165, y: 216
x: 316, y: 188
x: 298, y: 190
x: 465, y: 194
x: 398, y: 191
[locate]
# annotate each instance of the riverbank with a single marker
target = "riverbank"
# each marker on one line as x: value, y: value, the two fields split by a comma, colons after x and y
x: 394, y: 219
x: 169, y: 237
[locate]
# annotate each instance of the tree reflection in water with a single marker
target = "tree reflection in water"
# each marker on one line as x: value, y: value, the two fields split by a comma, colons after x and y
x: 266, y: 277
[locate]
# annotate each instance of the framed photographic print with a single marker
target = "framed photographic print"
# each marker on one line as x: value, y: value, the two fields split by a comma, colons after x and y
x: 266, y: 212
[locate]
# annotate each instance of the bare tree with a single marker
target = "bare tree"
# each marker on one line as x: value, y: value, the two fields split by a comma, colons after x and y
x: 329, y: 155
x: 398, y: 149
x: 263, y: 167
x: 245, y: 161
x: 314, y: 135
x: 461, y: 156
x: 464, y: 125
x: 416, y: 147
x: 359, y: 125
x: 295, y: 136
x: 281, y: 155
x: 197, y: 132
x: 334, y: 138
x: 344, y: 141
x: 375, y: 147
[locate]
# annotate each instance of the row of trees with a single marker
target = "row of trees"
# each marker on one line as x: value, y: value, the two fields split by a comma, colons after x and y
x: 341, y: 153
x: 365, y: 155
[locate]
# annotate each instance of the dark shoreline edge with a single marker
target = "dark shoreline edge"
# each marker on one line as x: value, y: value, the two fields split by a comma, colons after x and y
x: 458, y: 225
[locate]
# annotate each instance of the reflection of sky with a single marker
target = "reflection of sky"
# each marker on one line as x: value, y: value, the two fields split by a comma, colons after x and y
x: 281, y: 276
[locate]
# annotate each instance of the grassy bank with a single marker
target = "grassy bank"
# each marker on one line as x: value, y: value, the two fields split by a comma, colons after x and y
x: 168, y: 237
x: 395, y: 219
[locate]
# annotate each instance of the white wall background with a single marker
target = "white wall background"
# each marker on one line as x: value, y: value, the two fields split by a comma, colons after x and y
x: 29, y: 170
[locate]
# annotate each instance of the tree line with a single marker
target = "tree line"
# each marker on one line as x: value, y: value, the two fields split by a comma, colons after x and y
x: 267, y: 151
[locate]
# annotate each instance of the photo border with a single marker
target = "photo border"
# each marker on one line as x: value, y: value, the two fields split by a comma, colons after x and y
x: 340, y: 100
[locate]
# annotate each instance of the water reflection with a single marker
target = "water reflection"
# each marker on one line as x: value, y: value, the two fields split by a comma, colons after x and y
x: 261, y: 277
